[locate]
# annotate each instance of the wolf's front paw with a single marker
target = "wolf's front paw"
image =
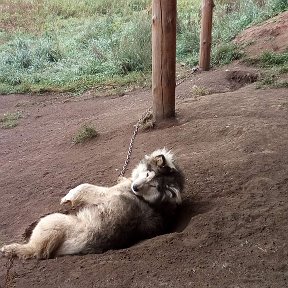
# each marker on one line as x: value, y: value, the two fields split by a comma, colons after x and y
x: 64, y: 201
x: 72, y: 195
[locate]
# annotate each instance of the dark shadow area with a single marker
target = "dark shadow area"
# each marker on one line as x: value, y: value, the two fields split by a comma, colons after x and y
x: 238, y: 79
x: 187, y: 210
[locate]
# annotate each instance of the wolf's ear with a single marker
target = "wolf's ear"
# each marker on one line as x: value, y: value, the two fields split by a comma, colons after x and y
x: 173, y: 192
x: 160, y: 160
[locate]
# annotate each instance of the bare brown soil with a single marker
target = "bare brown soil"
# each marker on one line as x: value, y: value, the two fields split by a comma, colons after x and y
x: 232, y: 146
x: 270, y: 36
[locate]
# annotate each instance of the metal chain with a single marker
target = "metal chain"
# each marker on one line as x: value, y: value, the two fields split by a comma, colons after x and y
x: 137, y: 125
x: 9, y: 276
x: 136, y: 128
x: 193, y: 70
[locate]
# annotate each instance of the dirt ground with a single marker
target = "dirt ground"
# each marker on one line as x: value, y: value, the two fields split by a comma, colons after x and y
x: 269, y: 36
x: 231, y: 143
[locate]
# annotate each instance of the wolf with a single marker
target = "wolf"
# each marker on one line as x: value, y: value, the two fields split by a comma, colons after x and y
x: 139, y: 207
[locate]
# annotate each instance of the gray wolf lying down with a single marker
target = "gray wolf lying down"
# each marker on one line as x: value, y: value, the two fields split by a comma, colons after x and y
x: 138, y: 207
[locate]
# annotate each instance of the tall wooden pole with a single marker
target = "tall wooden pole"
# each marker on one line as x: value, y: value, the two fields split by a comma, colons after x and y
x: 164, y: 14
x: 206, y: 34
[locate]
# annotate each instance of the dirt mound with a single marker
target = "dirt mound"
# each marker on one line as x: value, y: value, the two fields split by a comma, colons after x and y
x: 221, y: 80
x: 271, y: 36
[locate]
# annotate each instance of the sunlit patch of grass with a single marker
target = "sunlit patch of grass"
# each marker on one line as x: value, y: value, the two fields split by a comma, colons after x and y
x: 270, y: 82
x: 86, y: 132
x: 275, y: 65
x: 272, y: 79
x: 271, y: 60
x: 199, y: 90
x: 281, y: 84
x: 77, y: 85
x: 226, y: 53
x: 77, y: 45
x: 10, y: 119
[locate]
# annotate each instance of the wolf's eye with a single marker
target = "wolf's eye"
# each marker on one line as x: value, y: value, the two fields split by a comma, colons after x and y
x: 147, y: 175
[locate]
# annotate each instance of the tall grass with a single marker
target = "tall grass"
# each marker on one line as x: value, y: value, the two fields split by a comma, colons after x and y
x: 73, y: 45
x: 230, y: 18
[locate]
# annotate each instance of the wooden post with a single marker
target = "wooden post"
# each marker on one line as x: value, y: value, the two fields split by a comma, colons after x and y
x: 164, y: 14
x: 206, y: 34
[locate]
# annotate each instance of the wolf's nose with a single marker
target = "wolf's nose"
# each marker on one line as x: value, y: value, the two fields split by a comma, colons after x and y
x: 135, y: 188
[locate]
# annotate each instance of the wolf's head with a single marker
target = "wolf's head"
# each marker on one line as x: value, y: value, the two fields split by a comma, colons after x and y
x: 157, y: 180
x: 159, y: 161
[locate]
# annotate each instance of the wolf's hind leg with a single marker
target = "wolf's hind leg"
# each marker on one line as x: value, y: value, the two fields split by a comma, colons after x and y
x: 36, y: 248
x: 48, y: 235
x: 45, y: 240
x: 23, y: 251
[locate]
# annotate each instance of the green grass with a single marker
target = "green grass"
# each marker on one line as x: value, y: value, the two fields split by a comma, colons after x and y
x: 271, y: 81
x: 229, y: 19
x: 199, y: 91
x: 269, y: 59
x: 74, y: 51
x: 274, y: 66
x: 225, y: 54
x: 76, y: 45
x: 10, y: 119
x: 86, y: 132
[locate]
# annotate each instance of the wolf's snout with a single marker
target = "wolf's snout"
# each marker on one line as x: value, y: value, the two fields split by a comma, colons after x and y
x: 135, y: 188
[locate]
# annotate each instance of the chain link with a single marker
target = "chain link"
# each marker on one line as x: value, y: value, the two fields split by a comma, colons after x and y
x: 193, y: 70
x: 136, y: 129
x: 9, y: 276
x: 137, y: 125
